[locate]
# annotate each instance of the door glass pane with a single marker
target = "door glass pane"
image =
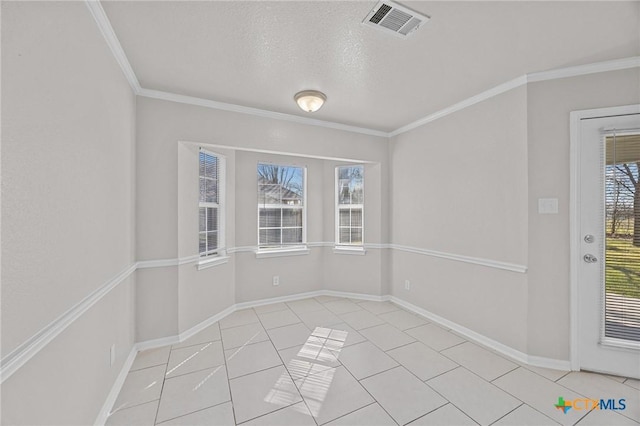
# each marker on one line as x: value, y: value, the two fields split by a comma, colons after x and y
x: 622, y: 226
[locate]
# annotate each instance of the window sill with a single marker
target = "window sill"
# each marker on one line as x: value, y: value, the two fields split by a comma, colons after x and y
x: 265, y: 253
x: 357, y: 251
x: 212, y: 261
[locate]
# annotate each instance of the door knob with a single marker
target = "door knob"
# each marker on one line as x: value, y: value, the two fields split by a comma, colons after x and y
x: 589, y: 258
x: 589, y: 239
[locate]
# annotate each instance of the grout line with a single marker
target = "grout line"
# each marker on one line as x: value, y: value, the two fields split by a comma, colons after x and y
x: 450, y: 347
x: 190, y: 372
x: 435, y: 409
x: 271, y: 412
x: 351, y: 412
x: 256, y: 371
x: 192, y: 345
x: 381, y: 371
x: 367, y: 391
x: 148, y: 367
x: 506, y: 414
x: 132, y: 406
x: 164, y: 379
x: 559, y: 378
x: 401, y: 346
x: 193, y: 412
x: 504, y: 374
x: 226, y: 368
x: 444, y: 372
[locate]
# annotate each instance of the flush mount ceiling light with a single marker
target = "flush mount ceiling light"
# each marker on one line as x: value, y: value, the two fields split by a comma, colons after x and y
x: 310, y: 100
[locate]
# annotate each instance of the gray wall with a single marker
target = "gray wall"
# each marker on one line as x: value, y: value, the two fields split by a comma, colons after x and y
x: 469, y: 184
x: 168, y: 135
x: 460, y: 187
x: 548, y: 106
x: 94, y: 179
x: 68, y: 129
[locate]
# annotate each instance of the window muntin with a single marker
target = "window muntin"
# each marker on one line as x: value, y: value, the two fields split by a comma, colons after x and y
x: 210, y: 203
x: 281, y: 206
x: 350, y: 205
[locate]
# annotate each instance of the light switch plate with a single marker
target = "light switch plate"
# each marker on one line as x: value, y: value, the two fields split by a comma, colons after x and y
x: 548, y: 205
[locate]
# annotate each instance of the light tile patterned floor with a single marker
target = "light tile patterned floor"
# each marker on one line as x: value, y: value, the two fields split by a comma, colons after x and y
x: 334, y: 361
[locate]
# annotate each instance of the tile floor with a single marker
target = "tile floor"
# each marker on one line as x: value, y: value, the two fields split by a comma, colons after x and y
x: 334, y: 361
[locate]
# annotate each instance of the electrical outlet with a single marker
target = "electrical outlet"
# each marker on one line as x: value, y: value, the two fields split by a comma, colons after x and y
x: 407, y: 285
x: 112, y: 354
x: 276, y: 280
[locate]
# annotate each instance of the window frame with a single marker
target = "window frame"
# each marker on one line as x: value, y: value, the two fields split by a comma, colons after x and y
x: 212, y: 257
x: 282, y: 250
x: 344, y: 248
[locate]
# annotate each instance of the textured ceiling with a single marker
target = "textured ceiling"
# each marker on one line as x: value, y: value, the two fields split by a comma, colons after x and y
x: 259, y: 54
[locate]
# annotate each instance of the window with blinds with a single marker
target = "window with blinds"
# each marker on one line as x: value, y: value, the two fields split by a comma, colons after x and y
x: 210, y: 203
x: 350, y: 205
x: 622, y: 226
x: 281, y: 206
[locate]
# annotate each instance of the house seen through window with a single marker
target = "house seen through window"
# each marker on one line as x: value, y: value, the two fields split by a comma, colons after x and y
x: 281, y: 206
x: 349, y: 205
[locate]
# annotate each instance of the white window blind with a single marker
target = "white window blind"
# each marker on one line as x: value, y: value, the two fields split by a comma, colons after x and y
x: 622, y: 226
x: 350, y: 205
x: 281, y: 206
x: 210, y: 203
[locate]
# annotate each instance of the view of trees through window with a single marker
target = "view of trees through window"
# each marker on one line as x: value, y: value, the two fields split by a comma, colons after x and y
x: 622, y: 258
x: 280, y: 205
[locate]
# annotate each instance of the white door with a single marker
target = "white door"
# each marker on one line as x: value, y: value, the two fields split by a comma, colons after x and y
x: 608, y: 246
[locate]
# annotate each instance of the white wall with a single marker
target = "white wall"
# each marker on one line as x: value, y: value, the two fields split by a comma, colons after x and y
x: 460, y: 187
x: 68, y: 130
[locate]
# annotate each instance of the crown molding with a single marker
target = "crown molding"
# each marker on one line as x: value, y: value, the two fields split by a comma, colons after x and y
x: 575, y: 71
x: 596, y: 67
x: 110, y: 37
x: 107, y: 31
x: 208, y: 103
x: 487, y: 94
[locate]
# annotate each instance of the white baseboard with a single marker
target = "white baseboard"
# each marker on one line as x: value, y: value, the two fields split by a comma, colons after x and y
x: 115, y: 389
x: 463, y: 331
x: 279, y: 299
x: 553, y: 364
x: 204, y: 324
x: 157, y: 343
x: 359, y: 296
x: 514, y: 354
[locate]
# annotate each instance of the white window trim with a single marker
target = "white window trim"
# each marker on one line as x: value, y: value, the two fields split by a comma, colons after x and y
x: 292, y: 250
x: 350, y: 250
x: 210, y: 261
x: 219, y: 255
x: 262, y: 253
x: 347, y: 248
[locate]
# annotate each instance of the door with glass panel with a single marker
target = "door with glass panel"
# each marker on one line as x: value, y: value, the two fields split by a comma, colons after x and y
x: 609, y: 264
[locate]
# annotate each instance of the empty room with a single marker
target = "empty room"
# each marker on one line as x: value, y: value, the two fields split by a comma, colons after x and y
x: 320, y: 213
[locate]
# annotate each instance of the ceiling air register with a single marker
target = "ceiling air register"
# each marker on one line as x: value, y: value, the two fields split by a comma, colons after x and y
x: 395, y: 18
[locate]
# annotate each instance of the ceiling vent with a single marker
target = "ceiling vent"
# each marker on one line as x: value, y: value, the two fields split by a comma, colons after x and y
x: 394, y: 18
